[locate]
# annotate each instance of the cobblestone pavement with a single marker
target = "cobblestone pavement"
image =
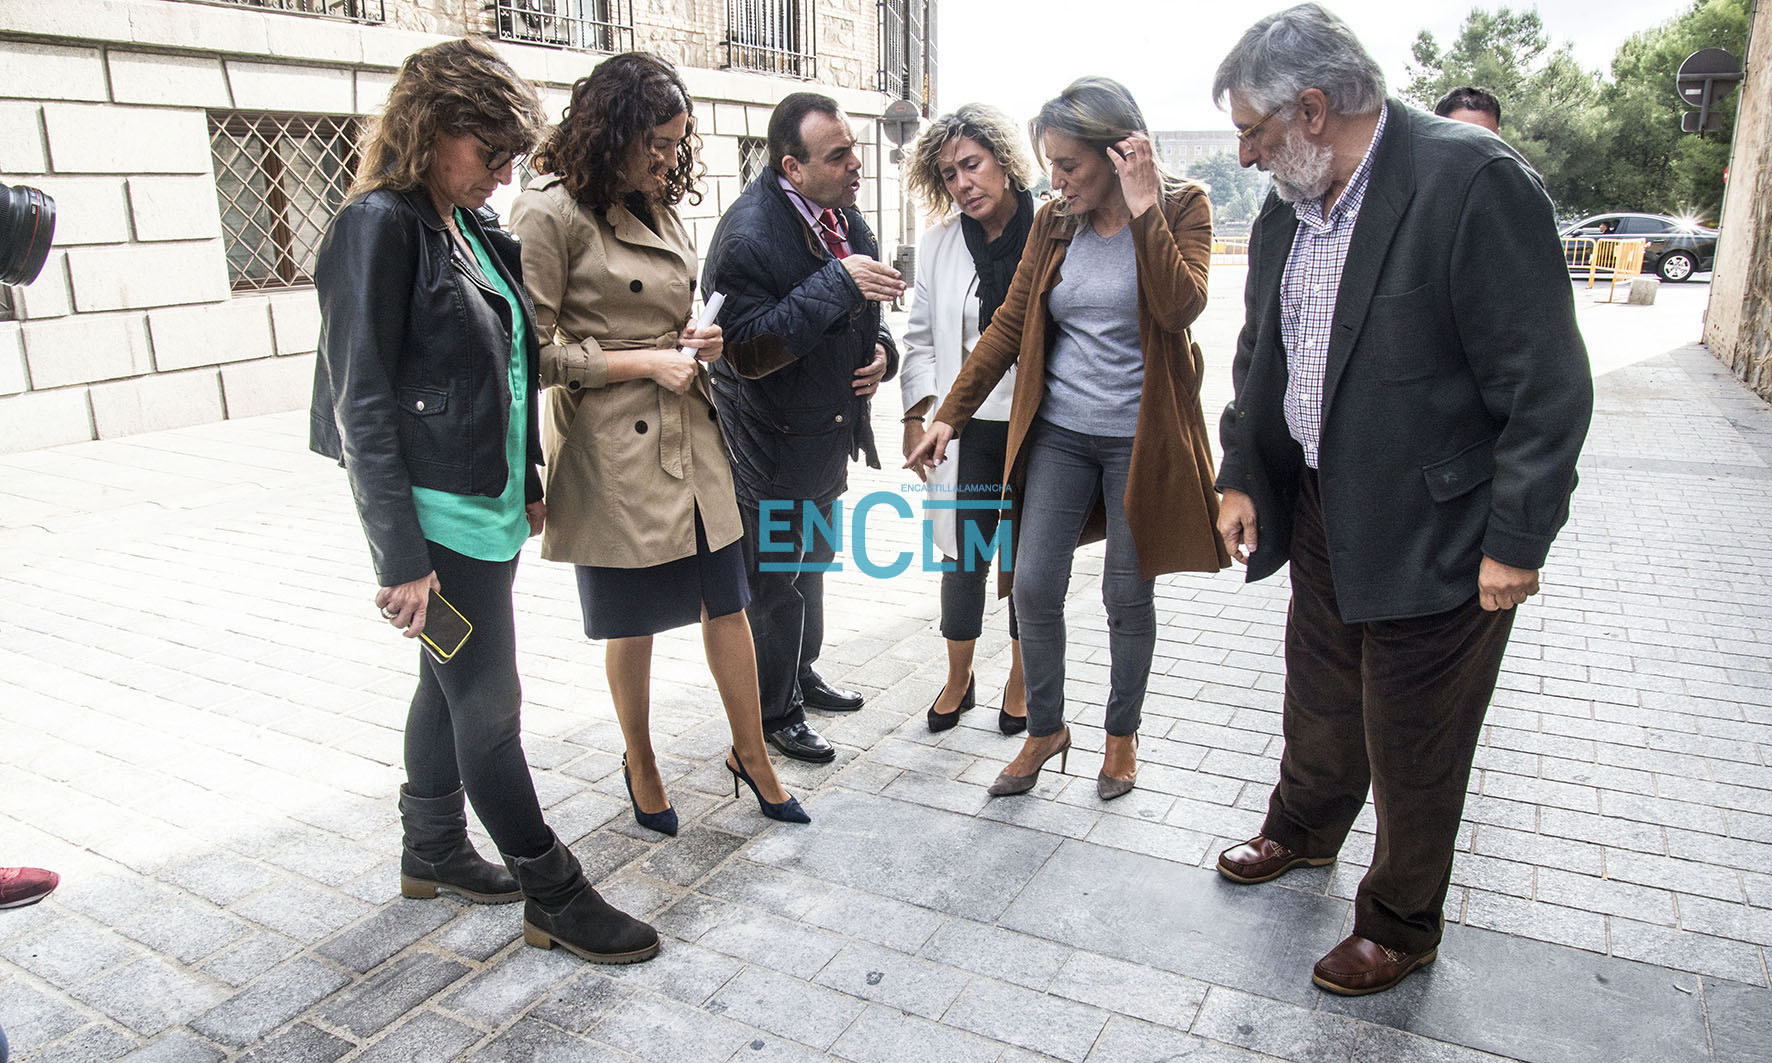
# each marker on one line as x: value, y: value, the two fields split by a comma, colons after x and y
x: 199, y: 727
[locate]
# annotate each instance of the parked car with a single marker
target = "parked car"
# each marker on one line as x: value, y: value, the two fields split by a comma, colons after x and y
x: 1676, y: 249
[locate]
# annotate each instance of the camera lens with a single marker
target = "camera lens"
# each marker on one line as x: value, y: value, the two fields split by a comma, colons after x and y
x: 27, y: 224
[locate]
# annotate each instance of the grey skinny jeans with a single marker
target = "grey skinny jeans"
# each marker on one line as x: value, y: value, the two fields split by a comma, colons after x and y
x: 1066, y: 472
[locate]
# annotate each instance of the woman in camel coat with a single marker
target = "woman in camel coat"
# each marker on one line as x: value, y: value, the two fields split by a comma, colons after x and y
x: 1106, y: 435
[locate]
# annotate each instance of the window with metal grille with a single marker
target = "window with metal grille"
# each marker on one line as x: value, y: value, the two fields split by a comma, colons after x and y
x: 771, y: 36
x: 280, y: 179
x: 907, y: 50
x: 355, y: 10
x: 593, y: 25
x: 753, y: 158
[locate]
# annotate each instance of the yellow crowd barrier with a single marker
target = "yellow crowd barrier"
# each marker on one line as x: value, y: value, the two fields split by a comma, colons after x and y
x: 1230, y: 248
x: 1616, y: 259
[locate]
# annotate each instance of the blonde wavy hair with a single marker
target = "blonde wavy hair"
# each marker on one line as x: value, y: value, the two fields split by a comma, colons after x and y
x: 1100, y: 112
x: 991, y: 128
x: 456, y: 88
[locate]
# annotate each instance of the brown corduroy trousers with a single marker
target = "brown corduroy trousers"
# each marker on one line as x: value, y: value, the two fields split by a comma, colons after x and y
x: 1394, y: 704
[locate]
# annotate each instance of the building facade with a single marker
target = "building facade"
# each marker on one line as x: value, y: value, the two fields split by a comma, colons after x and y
x: 1738, y: 321
x: 197, y: 148
x: 1181, y: 148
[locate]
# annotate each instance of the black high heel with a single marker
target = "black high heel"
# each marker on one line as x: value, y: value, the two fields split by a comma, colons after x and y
x: 944, y: 721
x: 788, y: 811
x: 663, y: 822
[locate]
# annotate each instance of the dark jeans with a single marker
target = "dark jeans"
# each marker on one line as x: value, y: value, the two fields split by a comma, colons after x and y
x: 963, y: 590
x: 464, y: 727
x: 786, y: 610
x: 1067, y: 473
x: 1397, y: 704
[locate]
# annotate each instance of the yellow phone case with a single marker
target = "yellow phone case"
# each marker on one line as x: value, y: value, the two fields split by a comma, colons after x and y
x: 446, y: 630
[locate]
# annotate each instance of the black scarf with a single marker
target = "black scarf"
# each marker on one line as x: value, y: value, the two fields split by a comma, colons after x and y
x: 996, y: 259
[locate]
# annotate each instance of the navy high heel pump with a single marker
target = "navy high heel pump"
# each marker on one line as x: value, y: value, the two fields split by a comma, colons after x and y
x: 663, y: 822
x: 788, y: 811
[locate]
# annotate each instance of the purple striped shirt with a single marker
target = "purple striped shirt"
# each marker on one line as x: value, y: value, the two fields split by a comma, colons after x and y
x: 1308, y: 289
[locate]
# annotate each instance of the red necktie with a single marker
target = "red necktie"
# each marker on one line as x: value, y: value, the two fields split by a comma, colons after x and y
x: 831, y: 234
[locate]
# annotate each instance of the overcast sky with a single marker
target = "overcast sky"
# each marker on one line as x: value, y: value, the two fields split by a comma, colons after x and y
x: 1018, y: 55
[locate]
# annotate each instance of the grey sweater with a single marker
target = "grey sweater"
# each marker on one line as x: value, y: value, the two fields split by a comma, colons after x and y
x: 1095, y: 371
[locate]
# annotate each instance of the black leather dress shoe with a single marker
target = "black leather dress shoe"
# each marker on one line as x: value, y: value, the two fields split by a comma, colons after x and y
x: 818, y: 694
x: 802, y: 743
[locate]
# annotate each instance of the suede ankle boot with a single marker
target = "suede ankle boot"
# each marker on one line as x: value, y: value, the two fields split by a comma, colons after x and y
x: 437, y: 854
x: 561, y: 908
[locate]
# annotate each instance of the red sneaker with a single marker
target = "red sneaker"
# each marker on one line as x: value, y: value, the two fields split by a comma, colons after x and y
x: 20, y: 886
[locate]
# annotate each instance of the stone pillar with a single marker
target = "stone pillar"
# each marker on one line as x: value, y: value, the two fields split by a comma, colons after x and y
x: 1738, y: 322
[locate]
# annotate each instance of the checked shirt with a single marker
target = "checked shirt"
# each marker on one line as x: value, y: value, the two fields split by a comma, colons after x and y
x: 1308, y: 290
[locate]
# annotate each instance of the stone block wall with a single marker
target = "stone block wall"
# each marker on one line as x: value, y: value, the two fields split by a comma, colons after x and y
x: 104, y: 105
x: 1738, y: 322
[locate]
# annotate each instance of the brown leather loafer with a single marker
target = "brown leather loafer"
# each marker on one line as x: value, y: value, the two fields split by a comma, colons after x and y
x: 1358, y: 966
x: 1261, y: 859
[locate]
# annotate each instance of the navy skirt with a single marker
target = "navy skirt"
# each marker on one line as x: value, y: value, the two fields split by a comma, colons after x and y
x: 625, y: 603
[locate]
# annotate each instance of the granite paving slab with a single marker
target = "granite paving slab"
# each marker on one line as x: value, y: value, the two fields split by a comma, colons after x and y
x: 907, y: 852
x: 1182, y: 919
x: 207, y: 747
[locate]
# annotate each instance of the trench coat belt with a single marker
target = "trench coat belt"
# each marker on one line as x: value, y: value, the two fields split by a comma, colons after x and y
x: 673, y: 435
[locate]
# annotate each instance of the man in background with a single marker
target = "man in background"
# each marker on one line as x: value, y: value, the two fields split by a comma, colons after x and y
x: 1468, y: 103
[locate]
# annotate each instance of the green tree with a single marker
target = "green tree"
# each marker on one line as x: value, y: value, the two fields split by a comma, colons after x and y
x: 1236, y: 193
x: 1651, y: 165
x: 1549, y: 105
x: 1600, y: 144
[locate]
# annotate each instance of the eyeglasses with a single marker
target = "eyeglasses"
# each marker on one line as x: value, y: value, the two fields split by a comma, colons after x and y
x: 1246, y: 132
x: 496, y: 158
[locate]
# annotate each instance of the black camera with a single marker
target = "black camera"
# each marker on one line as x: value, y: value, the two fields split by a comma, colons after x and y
x: 27, y: 225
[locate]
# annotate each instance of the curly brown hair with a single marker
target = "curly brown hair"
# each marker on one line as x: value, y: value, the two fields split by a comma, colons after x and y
x: 992, y: 129
x: 616, y: 105
x: 456, y: 88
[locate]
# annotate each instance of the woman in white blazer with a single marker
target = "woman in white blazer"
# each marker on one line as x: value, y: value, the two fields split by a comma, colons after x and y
x: 971, y: 169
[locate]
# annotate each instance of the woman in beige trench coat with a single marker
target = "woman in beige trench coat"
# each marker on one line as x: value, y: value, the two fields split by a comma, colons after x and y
x: 640, y: 495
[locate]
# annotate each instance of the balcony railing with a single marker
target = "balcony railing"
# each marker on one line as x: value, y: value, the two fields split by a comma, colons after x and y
x: 772, y: 37
x: 592, y: 25
x: 354, y: 10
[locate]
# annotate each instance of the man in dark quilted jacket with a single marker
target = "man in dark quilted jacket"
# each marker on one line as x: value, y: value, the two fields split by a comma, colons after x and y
x: 805, y: 351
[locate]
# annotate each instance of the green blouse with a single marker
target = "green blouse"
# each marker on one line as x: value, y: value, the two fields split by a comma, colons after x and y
x: 488, y: 529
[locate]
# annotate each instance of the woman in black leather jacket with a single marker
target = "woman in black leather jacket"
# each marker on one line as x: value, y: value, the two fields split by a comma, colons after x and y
x: 425, y: 391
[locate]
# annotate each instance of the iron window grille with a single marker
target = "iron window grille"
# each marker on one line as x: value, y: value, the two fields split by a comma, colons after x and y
x: 592, y: 25
x: 907, y: 50
x: 753, y: 158
x: 279, y: 180
x: 354, y: 10
x: 772, y: 37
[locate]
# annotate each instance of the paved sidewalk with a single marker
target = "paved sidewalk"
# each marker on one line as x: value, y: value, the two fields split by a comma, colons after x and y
x: 199, y: 727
